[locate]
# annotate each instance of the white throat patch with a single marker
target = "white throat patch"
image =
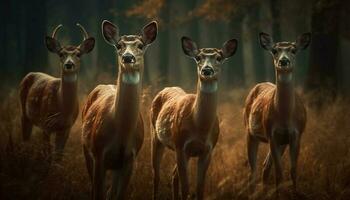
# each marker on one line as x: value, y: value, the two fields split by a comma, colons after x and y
x: 131, y: 78
x: 70, y: 77
x: 209, y: 87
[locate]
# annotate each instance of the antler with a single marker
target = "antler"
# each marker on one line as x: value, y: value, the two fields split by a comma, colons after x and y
x: 55, y: 30
x: 85, y: 34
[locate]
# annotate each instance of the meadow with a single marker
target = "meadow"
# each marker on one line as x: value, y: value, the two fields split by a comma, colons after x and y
x: 26, y: 171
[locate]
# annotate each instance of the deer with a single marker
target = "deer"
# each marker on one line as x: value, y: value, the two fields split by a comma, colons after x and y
x: 112, y: 129
x: 52, y: 103
x: 188, y: 123
x: 275, y: 113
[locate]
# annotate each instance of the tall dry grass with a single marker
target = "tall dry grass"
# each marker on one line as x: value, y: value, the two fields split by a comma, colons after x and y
x: 324, y: 165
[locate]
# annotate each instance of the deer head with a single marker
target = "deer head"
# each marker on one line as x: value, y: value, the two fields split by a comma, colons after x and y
x: 208, y: 60
x: 283, y: 53
x: 130, y: 49
x: 70, y: 55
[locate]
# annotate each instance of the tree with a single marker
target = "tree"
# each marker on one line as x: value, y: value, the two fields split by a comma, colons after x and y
x: 322, y: 73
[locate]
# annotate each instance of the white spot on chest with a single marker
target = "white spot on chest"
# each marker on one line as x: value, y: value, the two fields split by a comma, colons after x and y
x: 131, y: 78
x: 209, y: 87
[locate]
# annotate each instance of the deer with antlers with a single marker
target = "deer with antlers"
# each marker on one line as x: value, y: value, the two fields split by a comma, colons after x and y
x: 112, y: 133
x: 52, y: 103
x: 188, y: 123
x: 275, y: 113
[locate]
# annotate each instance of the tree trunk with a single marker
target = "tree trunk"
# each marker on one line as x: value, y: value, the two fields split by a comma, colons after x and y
x: 322, y: 73
x: 36, y: 53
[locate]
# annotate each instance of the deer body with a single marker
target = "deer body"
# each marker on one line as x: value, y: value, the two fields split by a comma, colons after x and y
x: 180, y: 123
x: 112, y: 130
x: 52, y: 103
x: 269, y: 107
x: 188, y: 123
x: 275, y: 113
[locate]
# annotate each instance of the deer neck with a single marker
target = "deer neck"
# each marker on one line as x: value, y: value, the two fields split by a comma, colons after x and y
x: 205, y: 106
x: 284, y: 98
x: 128, y: 97
x: 69, y: 91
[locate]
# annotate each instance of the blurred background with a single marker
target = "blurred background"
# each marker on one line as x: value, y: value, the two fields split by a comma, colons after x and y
x: 324, y: 65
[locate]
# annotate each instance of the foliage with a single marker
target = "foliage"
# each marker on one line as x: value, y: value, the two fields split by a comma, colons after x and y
x: 323, y: 165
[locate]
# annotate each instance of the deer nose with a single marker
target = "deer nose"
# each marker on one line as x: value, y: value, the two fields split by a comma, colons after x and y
x: 284, y: 61
x: 68, y: 66
x: 128, y: 58
x: 207, y: 71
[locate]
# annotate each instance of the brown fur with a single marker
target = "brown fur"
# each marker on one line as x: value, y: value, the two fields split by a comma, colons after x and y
x: 99, y: 120
x: 50, y: 104
x: 112, y: 125
x: 43, y: 105
x: 178, y: 116
x: 260, y: 101
x: 179, y: 105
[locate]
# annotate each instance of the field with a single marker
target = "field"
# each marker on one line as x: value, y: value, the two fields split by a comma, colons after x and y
x: 324, y: 164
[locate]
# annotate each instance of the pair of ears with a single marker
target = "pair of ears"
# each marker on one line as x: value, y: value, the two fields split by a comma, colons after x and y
x: 54, y: 46
x: 190, y: 48
x: 302, y: 42
x: 111, y: 35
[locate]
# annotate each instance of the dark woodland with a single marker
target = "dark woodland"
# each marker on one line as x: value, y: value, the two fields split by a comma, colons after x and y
x: 320, y: 77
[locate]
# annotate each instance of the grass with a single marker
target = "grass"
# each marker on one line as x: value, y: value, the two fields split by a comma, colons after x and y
x: 324, y: 164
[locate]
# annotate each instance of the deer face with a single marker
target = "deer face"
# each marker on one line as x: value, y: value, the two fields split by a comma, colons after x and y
x: 70, y: 55
x: 208, y: 60
x: 283, y: 53
x: 130, y: 49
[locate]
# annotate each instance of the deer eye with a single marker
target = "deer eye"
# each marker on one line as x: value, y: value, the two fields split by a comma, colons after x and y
x: 294, y: 51
x: 219, y: 59
x: 61, y: 55
x: 198, y: 58
x: 140, y: 46
x: 274, y: 51
x: 118, y: 46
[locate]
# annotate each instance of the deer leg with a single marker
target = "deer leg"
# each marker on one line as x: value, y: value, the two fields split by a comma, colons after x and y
x: 46, y: 144
x: 157, y: 154
x: 98, y: 179
x: 27, y: 127
x: 294, y: 148
x: 175, y: 183
x: 252, y: 147
x: 113, y: 190
x: 88, y: 161
x: 203, y: 163
x: 276, y: 158
x: 60, y: 143
x: 182, y: 161
x: 124, y: 179
x: 268, y: 164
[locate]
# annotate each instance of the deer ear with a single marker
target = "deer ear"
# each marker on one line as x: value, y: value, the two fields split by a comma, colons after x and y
x: 229, y: 48
x: 87, y: 46
x: 149, y: 32
x: 303, y: 41
x: 266, y: 41
x: 110, y: 32
x: 52, y: 44
x: 189, y: 47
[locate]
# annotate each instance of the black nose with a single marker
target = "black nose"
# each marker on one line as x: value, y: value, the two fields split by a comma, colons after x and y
x: 207, y: 71
x: 128, y: 58
x: 69, y: 66
x: 284, y: 61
